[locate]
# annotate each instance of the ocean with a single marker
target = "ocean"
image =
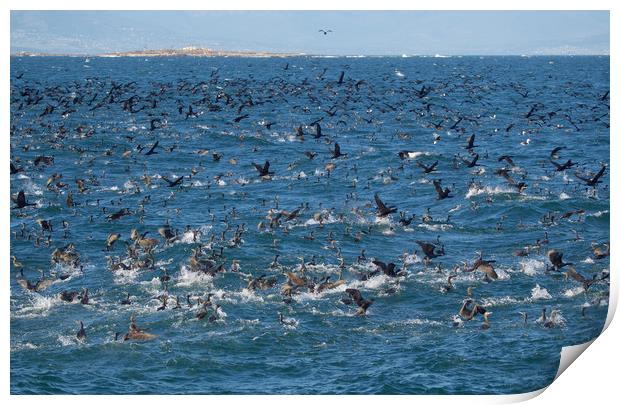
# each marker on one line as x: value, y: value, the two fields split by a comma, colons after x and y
x: 99, y: 118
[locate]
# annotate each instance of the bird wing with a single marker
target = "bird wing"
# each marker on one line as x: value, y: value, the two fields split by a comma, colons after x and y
x: 24, y: 284
x: 154, y: 146
x: 43, y: 284
x: 505, y: 175
x: 571, y: 272
x: 489, y: 270
x: 438, y: 188
x: 354, y: 293
x: 470, y: 141
x: 382, y: 265
x: 582, y: 178
x: 427, y: 248
x: 380, y: 205
x: 292, y: 215
x: 21, y: 198
x: 294, y: 279
x: 556, y: 150
x: 599, y: 174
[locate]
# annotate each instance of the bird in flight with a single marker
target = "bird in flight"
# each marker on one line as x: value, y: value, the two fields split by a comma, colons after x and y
x: 325, y: 31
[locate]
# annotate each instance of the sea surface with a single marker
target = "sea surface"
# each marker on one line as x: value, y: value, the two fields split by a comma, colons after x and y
x: 411, y: 339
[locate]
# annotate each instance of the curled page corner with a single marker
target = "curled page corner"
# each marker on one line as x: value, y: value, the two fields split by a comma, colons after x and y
x: 569, y: 354
x: 526, y: 396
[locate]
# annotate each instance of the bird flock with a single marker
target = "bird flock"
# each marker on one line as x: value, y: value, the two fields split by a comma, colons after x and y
x: 303, y: 180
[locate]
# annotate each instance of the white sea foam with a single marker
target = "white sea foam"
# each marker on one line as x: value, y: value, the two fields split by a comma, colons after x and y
x: 564, y: 196
x: 498, y: 301
x: 436, y: 227
x: 571, y: 292
x: 540, y: 293
x: 186, y: 278
x: 475, y: 190
x: 418, y: 321
x: 24, y: 346
x: 67, y: 340
x: 531, y: 267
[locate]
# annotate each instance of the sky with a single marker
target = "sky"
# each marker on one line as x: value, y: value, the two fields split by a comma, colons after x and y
x: 353, y: 32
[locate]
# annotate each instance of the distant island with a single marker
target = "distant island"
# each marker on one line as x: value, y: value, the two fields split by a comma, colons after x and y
x: 187, y: 51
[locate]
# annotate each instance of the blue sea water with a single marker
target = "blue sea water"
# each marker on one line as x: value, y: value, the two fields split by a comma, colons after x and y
x: 407, y: 342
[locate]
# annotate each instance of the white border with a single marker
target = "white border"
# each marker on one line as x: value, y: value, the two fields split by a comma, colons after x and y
x: 591, y: 379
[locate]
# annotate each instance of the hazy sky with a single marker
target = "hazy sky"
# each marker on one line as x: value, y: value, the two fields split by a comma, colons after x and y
x: 354, y: 32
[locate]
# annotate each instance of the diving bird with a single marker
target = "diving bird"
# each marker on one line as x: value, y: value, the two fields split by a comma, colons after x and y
x: 362, y: 303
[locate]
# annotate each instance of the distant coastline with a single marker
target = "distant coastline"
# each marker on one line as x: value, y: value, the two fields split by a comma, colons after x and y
x: 187, y: 51
x: 212, y: 53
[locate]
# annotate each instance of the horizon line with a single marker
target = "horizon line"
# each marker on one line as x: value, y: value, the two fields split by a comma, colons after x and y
x: 272, y: 54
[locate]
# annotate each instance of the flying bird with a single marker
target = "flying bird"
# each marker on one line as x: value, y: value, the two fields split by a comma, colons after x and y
x: 20, y: 200
x: 593, y: 180
x: 382, y: 208
x: 263, y: 170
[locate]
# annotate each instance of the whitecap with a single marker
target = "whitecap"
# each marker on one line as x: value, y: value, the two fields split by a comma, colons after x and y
x: 187, y: 277
x: 540, y: 293
x: 571, y: 292
x: 564, y: 196
x: 531, y: 267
